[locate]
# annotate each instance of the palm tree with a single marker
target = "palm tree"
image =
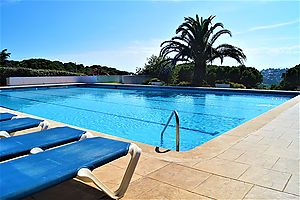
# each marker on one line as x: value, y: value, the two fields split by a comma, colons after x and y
x: 4, y: 56
x: 194, y: 43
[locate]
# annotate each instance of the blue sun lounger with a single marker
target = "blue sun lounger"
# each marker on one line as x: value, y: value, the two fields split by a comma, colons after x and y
x: 6, y: 116
x: 31, y: 174
x: 12, y: 147
x: 8, y: 127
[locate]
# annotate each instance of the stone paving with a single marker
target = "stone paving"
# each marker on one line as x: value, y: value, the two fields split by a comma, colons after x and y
x: 257, y: 160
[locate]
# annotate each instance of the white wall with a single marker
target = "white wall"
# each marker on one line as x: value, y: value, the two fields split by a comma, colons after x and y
x: 127, y: 79
x: 50, y: 80
x: 134, y: 79
x: 109, y: 79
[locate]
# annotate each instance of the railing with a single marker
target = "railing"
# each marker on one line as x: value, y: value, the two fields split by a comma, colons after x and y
x: 177, y: 129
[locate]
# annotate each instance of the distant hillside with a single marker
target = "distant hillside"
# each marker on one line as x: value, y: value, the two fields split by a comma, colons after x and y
x: 69, y: 67
x: 272, y: 76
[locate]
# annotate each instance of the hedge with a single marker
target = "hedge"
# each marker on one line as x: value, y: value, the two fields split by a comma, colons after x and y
x: 6, y: 72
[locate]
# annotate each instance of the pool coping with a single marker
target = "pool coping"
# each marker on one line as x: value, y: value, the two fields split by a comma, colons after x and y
x: 181, y: 88
x: 207, y: 150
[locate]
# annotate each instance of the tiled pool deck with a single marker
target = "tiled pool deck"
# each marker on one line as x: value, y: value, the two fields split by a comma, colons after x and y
x: 257, y: 160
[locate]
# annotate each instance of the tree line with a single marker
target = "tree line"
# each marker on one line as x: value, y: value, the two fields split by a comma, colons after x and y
x: 44, y: 67
x: 182, y: 74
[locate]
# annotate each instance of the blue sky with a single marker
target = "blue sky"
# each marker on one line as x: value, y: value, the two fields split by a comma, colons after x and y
x: 123, y: 34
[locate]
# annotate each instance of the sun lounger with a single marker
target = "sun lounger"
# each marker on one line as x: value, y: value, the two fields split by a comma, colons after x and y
x: 7, y: 128
x: 27, y: 175
x: 6, y: 116
x: 12, y: 147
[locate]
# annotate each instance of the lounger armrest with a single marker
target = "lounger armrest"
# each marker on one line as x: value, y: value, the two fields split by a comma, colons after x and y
x: 86, y: 175
x: 36, y: 150
x: 4, y: 134
x: 86, y: 135
x: 44, y: 125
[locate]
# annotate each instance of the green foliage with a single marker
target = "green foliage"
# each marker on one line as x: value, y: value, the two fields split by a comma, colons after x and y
x: 182, y: 73
x: 4, y: 55
x: 248, y: 76
x: 236, y: 85
x: 275, y: 87
x: 70, y: 67
x: 239, y: 76
x: 184, y: 83
x: 291, y: 79
x: 148, y: 82
x: 6, y: 72
x: 194, y: 44
x: 156, y: 68
x: 104, y: 70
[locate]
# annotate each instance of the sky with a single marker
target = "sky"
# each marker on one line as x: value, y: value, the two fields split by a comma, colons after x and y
x: 123, y: 34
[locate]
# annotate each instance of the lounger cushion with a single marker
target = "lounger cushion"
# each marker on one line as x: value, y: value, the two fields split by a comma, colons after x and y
x: 6, y: 116
x: 31, y: 174
x: 19, y: 124
x: 22, y: 144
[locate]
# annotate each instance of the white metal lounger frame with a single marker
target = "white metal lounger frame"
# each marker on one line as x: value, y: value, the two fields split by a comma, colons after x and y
x: 84, y: 136
x: 44, y: 126
x: 86, y: 175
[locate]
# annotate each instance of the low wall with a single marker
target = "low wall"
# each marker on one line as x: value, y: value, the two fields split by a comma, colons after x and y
x: 50, y: 80
x: 134, y: 79
x: 109, y: 79
x: 127, y: 79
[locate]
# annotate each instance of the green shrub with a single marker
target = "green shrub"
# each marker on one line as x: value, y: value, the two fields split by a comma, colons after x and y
x: 148, y: 82
x: 237, y: 85
x: 6, y: 72
x: 291, y: 79
x: 182, y: 73
x: 184, y: 83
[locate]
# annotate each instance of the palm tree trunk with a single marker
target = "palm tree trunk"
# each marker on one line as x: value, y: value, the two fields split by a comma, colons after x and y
x: 199, y: 73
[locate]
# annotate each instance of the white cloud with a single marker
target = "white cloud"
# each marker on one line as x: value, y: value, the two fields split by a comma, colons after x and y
x: 272, y: 26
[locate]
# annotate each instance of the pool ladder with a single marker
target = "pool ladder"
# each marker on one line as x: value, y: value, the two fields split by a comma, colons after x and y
x: 174, y: 113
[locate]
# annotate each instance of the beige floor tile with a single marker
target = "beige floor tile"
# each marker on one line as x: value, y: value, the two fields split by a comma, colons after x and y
x: 295, y: 145
x: 248, y: 146
x: 275, y: 142
x: 265, y: 177
x: 72, y: 189
x: 209, y: 152
x: 293, y: 185
x: 253, y: 138
x: 140, y: 186
x: 165, y: 191
x: 180, y: 176
x: 122, y: 162
x: 110, y: 174
x: 255, y: 159
x: 223, y: 188
x: 271, y: 134
x: 149, y: 165
x: 264, y: 193
x: 283, y: 152
x: 287, y: 165
x: 222, y: 167
x: 231, y: 154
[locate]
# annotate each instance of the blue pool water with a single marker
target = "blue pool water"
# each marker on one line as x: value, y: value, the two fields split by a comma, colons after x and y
x: 139, y: 114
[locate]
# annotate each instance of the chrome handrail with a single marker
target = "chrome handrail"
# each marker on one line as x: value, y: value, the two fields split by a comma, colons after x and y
x: 177, y: 129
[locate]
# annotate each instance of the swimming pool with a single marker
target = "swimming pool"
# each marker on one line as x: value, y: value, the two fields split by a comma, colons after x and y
x: 139, y: 114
